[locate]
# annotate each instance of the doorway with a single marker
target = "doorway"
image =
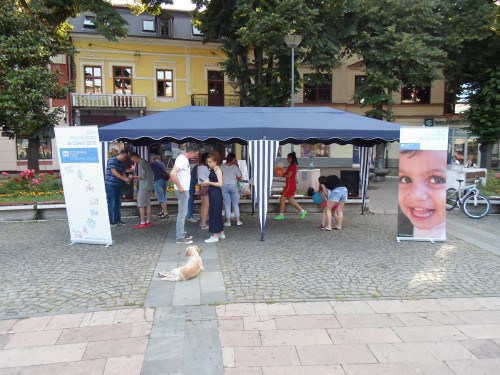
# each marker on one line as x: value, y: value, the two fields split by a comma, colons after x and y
x: 215, y: 88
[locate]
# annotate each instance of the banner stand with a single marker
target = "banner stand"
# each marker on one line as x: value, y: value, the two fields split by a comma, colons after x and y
x: 423, y: 157
x: 80, y: 157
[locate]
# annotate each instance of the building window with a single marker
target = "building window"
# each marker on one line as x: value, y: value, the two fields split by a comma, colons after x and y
x: 165, y: 28
x: 415, y: 94
x: 165, y: 83
x: 122, y: 78
x: 93, y: 79
x: 317, y: 90
x: 148, y: 26
x: 44, y: 153
x: 89, y: 21
x: 359, y: 81
x: 196, y: 32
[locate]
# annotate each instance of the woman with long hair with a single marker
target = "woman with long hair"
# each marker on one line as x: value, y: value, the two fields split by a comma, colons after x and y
x: 290, y: 188
x: 214, y: 183
x: 203, y: 174
x: 230, y: 194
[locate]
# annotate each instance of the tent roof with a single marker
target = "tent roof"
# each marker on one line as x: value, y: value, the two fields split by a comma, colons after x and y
x: 240, y: 124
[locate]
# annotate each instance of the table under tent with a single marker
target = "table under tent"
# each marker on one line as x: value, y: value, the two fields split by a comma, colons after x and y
x: 262, y: 130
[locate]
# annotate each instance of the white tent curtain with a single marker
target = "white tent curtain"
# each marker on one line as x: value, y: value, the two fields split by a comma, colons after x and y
x: 262, y: 154
x: 104, y: 153
x: 365, y: 157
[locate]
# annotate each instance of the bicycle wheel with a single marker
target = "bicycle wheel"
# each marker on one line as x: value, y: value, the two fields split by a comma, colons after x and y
x: 451, y: 199
x: 476, y: 206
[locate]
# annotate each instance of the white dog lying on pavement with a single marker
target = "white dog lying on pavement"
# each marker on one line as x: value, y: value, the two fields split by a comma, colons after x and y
x: 192, y: 268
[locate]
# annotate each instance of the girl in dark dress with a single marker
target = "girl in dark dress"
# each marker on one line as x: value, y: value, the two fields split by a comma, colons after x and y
x: 215, y: 182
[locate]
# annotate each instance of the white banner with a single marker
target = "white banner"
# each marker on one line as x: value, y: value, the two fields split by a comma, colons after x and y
x: 83, y: 183
x: 422, y: 184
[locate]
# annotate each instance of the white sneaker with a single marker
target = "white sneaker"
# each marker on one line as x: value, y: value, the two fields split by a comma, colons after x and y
x: 239, y: 223
x: 226, y: 224
x: 191, y: 220
x: 212, y: 239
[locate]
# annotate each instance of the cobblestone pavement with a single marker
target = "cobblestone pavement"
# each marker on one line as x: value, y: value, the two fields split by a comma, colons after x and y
x: 41, y: 274
x: 297, y: 261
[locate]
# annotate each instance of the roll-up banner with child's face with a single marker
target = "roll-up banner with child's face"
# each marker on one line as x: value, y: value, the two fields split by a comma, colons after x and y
x: 422, y: 184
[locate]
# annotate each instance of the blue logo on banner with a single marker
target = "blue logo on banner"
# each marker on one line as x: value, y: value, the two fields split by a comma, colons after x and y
x: 78, y: 155
x: 409, y: 146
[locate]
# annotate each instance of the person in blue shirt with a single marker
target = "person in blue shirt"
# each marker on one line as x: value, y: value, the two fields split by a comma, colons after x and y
x: 161, y: 179
x: 114, y: 180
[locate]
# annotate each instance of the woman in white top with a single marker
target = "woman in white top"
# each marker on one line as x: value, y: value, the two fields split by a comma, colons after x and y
x: 203, y: 173
x: 230, y: 195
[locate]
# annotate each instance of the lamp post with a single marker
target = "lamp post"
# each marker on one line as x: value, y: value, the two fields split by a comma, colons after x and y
x: 293, y: 41
x: 234, y: 84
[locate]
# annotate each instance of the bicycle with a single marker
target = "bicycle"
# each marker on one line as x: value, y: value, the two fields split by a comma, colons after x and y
x: 471, y: 202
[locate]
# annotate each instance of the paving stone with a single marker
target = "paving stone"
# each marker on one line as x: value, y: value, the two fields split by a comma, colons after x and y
x: 480, y: 331
x: 429, y: 333
x: 368, y: 320
x: 95, y: 333
x: 303, y: 370
x: 307, y: 322
x: 429, y: 318
x: 479, y: 317
x: 334, y: 354
x: 409, y: 368
x: 265, y: 356
x: 93, y: 367
x: 116, y: 348
x: 363, y: 335
x: 41, y: 355
x: 129, y: 365
x: 489, y: 366
x: 483, y: 348
x: 32, y: 339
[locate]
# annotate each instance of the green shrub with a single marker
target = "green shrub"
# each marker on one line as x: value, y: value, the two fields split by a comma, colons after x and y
x: 30, y: 185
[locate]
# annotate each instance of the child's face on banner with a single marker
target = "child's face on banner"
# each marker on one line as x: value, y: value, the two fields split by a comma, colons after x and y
x: 422, y: 187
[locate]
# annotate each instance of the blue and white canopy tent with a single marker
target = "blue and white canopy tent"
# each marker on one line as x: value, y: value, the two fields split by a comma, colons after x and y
x: 263, y: 129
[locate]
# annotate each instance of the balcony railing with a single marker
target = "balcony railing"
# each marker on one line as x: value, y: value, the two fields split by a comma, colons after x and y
x: 215, y: 101
x: 108, y: 101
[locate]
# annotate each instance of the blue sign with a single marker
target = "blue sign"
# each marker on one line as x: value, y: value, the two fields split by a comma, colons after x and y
x: 78, y: 155
x: 409, y: 146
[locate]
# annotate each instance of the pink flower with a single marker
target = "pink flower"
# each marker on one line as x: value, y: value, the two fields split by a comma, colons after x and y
x: 5, y: 173
x: 497, y: 175
x: 35, y: 181
x: 1, y: 184
x: 41, y: 174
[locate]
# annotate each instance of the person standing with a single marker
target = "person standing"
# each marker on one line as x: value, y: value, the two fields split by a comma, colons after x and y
x: 113, y: 181
x: 290, y: 188
x: 192, y: 189
x: 181, y: 176
x: 214, y: 183
x: 203, y: 174
x: 231, y: 174
x: 146, y: 185
x: 161, y: 179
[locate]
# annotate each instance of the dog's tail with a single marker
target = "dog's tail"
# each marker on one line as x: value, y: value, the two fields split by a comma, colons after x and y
x: 169, y: 276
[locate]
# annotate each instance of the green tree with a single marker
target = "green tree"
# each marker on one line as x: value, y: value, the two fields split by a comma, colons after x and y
x: 484, y: 114
x: 26, y: 84
x: 472, y: 68
x: 252, y: 34
x: 399, y: 42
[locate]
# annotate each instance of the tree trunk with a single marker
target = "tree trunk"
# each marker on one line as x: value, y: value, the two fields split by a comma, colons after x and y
x: 33, y: 154
x: 486, y: 150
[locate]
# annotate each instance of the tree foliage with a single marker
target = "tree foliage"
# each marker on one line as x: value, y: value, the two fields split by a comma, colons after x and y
x: 252, y: 36
x: 26, y: 45
x: 400, y: 43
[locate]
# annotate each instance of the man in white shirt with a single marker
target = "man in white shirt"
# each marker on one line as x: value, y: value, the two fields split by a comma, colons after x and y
x: 181, y: 176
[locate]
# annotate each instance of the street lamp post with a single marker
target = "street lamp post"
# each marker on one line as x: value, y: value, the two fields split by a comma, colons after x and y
x: 293, y: 41
x: 234, y: 84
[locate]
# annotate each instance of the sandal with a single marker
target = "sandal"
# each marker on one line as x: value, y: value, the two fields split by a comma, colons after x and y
x: 329, y: 230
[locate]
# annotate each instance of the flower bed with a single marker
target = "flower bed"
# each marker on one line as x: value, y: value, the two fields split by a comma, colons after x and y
x: 31, y: 186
